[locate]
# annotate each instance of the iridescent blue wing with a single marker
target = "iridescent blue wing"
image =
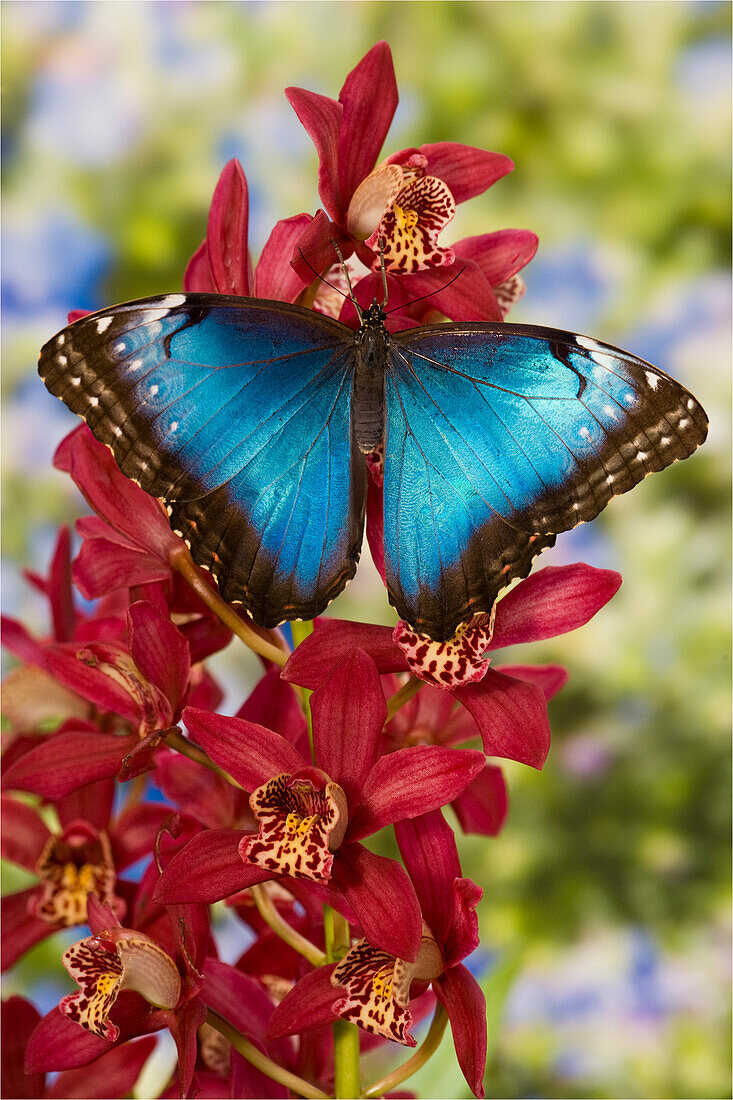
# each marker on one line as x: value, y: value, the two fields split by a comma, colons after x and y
x: 498, y: 438
x: 237, y: 413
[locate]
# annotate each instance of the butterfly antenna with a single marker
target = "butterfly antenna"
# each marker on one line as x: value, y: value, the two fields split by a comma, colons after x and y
x: 352, y: 296
x: 319, y: 276
x: 430, y: 295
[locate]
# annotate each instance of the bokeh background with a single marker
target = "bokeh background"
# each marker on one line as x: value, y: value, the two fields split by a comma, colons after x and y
x: 605, y: 914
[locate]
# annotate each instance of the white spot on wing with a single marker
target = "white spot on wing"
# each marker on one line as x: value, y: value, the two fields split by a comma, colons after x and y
x: 690, y: 403
x: 153, y: 390
x: 629, y: 397
x: 61, y: 360
x: 652, y: 379
x: 94, y: 401
x: 610, y: 411
x: 174, y: 426
x: 641, y: 457
x: 122, y: 346
x: 75, y: 381
x: 584, y: 433
x: 103, y: 324
x: 584, y: 342
x: 684, y: 422
x: 173, y: 300
x: 60, y: 339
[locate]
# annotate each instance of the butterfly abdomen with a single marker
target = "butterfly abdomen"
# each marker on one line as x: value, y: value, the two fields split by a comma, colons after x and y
x: 367, y: 395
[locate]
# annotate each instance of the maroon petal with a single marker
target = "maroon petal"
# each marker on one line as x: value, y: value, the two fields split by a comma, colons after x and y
x: 251, y: 754
x: 511, y: 715
x: 159, y: 650
x: 20, y: 643
x: 134, y: 831
x: 91, y: 803
x: 369, y: 98
x: 24, y: 834
x: 382, y: 897
x: 461, y: 995
x: 548, y: 678
x: 428, y: 849
x: 349, y: 711
x: 59, y: 589
x: 226, y: 234
x: 410, y: 782
x: 552, y: 601
x: 20, y: 931
x: 19, y: 1017
x: 114, y: 1074
x: 208, y: 869
x: 499, y: 255
x: 466, y: 170
x: 307, y: 1005
x: 59, y: 1043
x: 69, y: 760
x: 242, y: 1001
x: 313, y: 250
x: 198, y: 275
x: 321, y: 117
x: 331, y: 640
x: 102, y: 566
x: 274, y: 274
x: 375, y: 526
x: 482, y: 807
x: 184, y: 1024
x: 206, y: 796
x: 273, y: 703
x: 460, y: 291
x: 91, y: 683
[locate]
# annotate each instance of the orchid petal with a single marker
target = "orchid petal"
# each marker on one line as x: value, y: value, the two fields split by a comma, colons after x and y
x: 382, y: 897
x: 467, y: 171
x: 272, y: 703
x: 206, y: 796
x: 313, y: 250
x: 159, y: 650
x: 499, y: 255
x: 20, y: 929
x: 91, y: 803
x: 321, y: 117
x: 19, y: 1017
x: 240, y: 999
x: 460, y: 291
x: 548, y: 678
x: 198, y: 276
x: 369, y: 98
x: 114, y: 1074
x: 251, y: 754
x: 349, y: 711
x: 69, y: 760
x: 226, y: 234
x: 552, y: 601
x: 410, y: 782
x: 101, y: 566
x: 482, y: 807
x: 24, y: 835
x: 331, y: 640
x: 511, y: 715
x: 306, y: 1006
x: 274, y: 274
x: 208, y: 869
x: 462, y: 997
x: 428, y: 849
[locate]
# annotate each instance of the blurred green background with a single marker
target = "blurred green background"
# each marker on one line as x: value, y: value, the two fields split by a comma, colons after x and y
x: 607, y: 895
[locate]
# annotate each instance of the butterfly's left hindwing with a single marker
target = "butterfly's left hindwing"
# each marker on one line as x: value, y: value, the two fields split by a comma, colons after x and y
x: 237, y: 413
x: 500, y: 437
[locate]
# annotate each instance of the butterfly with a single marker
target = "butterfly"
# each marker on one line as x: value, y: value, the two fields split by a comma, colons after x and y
x: 251, y: 419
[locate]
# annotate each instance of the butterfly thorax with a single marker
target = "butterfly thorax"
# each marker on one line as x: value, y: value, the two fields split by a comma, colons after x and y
x: 367, y: 396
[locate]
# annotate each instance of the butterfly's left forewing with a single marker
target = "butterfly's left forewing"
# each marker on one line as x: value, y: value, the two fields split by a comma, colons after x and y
x: 237, y: 413
x: 498, y: 438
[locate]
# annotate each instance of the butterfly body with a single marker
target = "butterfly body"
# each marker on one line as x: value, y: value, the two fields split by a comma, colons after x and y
x: 251, y: 420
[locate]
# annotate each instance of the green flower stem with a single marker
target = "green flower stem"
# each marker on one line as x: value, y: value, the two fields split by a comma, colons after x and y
x: 262, y: 1062
x: 268, y: 912
x: 345, y: 1035
x: 267, y: 646
x: 419, y: 1058
x: 302, y: 629
x: 176, y: 740
x: 403, y: 695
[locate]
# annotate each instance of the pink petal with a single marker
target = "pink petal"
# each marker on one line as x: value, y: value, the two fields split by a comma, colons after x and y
x: 101, y: 566
x: 369, y: 98
x: 19, y: 1017
x: 410, y: 782
x: 428, y: 849
x: 349, y: 711
x: 461, y: 995
x: 382, y: 897
x: 69, y: 760
x: 549, y: 678
x: 512, y: 717
x: 59, y: 589
x: 499, y: 255
x: 226, y: 234
x: 114, y: 1074
x: 91, y: 683
x: 274, y: 274
x: 24, y: 834
x: 460, y: 291
x: 482, y: 807
x: 466, y: 170
x: 321, y: 117
x: 307, y: 1005
x: 198, y: 275
x: 552, y: 601
x: 20, y: 930
x: 159, y: 650
x: 208, y: 869
x: 251, y: 754
x: 331, y: 640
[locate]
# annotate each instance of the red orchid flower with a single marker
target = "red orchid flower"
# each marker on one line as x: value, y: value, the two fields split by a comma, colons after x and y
x: 80, y: 862
x: 509, y: 706
x: 373, y: 989
x: 132, y: 981
x: 402, y: 203
x: 113, y: 1074
x: 311, y: 818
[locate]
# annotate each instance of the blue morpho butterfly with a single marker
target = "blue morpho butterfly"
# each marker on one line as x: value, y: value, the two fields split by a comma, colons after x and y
x: 251, y: 419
